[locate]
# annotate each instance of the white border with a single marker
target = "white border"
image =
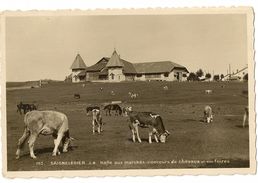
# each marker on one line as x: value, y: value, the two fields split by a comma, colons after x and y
x: 89, y: 4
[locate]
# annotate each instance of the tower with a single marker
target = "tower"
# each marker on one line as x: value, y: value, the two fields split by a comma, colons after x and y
x: 77, y: 67
x: 115, y: 68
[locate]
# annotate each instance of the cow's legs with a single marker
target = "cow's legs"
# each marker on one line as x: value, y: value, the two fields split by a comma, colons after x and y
x: 21, y: 142
x: 31, y: 142
x: 93, y: 127
x: 98, y: 127
x: 57, y: 142
x: 156, y: 138
x: 137, y: 133
x: 150, y: 135
x: 133, y: 135
x: 58, y: 152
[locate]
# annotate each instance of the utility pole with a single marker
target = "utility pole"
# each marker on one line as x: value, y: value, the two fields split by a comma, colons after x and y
x: 229, y: 71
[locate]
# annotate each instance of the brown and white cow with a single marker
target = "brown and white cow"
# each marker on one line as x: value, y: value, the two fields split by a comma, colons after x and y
x: 45, y: 123
x: 148, y: 120
x: 96, y: 121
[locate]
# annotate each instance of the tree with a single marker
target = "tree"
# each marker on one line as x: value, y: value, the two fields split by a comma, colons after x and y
x: 216, y: 77
x: 192, y: 77
x: 199, y: 73
x: 245, y: 78
x: 208, y: 76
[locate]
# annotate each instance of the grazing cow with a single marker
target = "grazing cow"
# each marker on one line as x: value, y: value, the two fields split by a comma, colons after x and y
x: 76, y: 96
x: 246, y: 116
x: 96, y: 121
x: 112, y: 92
x: 113, y: 107
x: 45, y: 123
x: 208, y: 116
x: 133, y: 95
x: 208, y: 91
x: 165, y: 88
x: 147, y: 120
x: 90, y: 108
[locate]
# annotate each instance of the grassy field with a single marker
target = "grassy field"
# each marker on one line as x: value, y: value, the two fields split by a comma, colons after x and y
x: 192, y: 143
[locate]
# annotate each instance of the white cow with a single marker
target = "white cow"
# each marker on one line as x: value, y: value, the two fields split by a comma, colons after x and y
x: 208, y: 116
x: 246, y: 116
x: 165, y: 88
x: 45, y: 123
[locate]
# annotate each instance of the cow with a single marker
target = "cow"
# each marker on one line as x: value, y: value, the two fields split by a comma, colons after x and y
x: 208, y: 91
x: 113, y: 107
x: 112, y: 93
x: 148, y: 120
x: 90, y: 108
x: 96, y: 121
x: 45, y: 123
x: 208, y: 116
x: 134, y: 95
x: 77, y: 96
x: 165, y: 88
x: 246, y: 116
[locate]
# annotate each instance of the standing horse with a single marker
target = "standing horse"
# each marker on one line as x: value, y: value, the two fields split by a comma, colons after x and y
x: 113, y: 107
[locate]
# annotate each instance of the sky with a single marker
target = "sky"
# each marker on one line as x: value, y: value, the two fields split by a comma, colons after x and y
x: 44, y: 47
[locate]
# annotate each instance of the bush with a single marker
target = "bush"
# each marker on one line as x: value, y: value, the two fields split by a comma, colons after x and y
x: 245, y: 78
x: 192, y: 77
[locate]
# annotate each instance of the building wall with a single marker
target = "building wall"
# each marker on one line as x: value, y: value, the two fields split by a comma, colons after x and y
x: 115, y: 75
x: 129, y: 77
x: 177, y: 75
x: 75, y: 78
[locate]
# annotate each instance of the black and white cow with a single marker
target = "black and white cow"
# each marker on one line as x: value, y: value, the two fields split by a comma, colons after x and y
x: 96, y: 121
x: 148, y: 120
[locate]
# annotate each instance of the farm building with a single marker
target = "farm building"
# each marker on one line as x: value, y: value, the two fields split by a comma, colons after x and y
x: 115, y: 69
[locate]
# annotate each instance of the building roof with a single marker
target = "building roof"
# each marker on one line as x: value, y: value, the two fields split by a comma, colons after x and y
x: 78, y: 63
x: 98, y: 66
x: 115, y: 61
x: 101, y: 66
x: 157, y: 67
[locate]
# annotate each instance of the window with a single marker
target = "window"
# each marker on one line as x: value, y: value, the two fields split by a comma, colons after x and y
x: 166, y: 74
x: 112, y: 76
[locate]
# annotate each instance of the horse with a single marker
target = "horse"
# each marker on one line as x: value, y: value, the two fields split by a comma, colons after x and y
x: 113, y: 107
x: 26, y: 108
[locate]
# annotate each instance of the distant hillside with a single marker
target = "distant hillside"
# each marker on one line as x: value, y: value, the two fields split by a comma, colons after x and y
x: 29, y: 83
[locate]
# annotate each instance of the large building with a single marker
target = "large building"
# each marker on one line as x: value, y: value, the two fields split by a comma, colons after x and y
x: 115, y: 69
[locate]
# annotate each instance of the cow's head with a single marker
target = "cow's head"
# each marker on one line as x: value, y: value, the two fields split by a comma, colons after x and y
x: 164, y: 136
x: 67, y: 141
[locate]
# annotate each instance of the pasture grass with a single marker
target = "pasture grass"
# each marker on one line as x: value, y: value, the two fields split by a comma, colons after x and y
x: 181, y: 108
